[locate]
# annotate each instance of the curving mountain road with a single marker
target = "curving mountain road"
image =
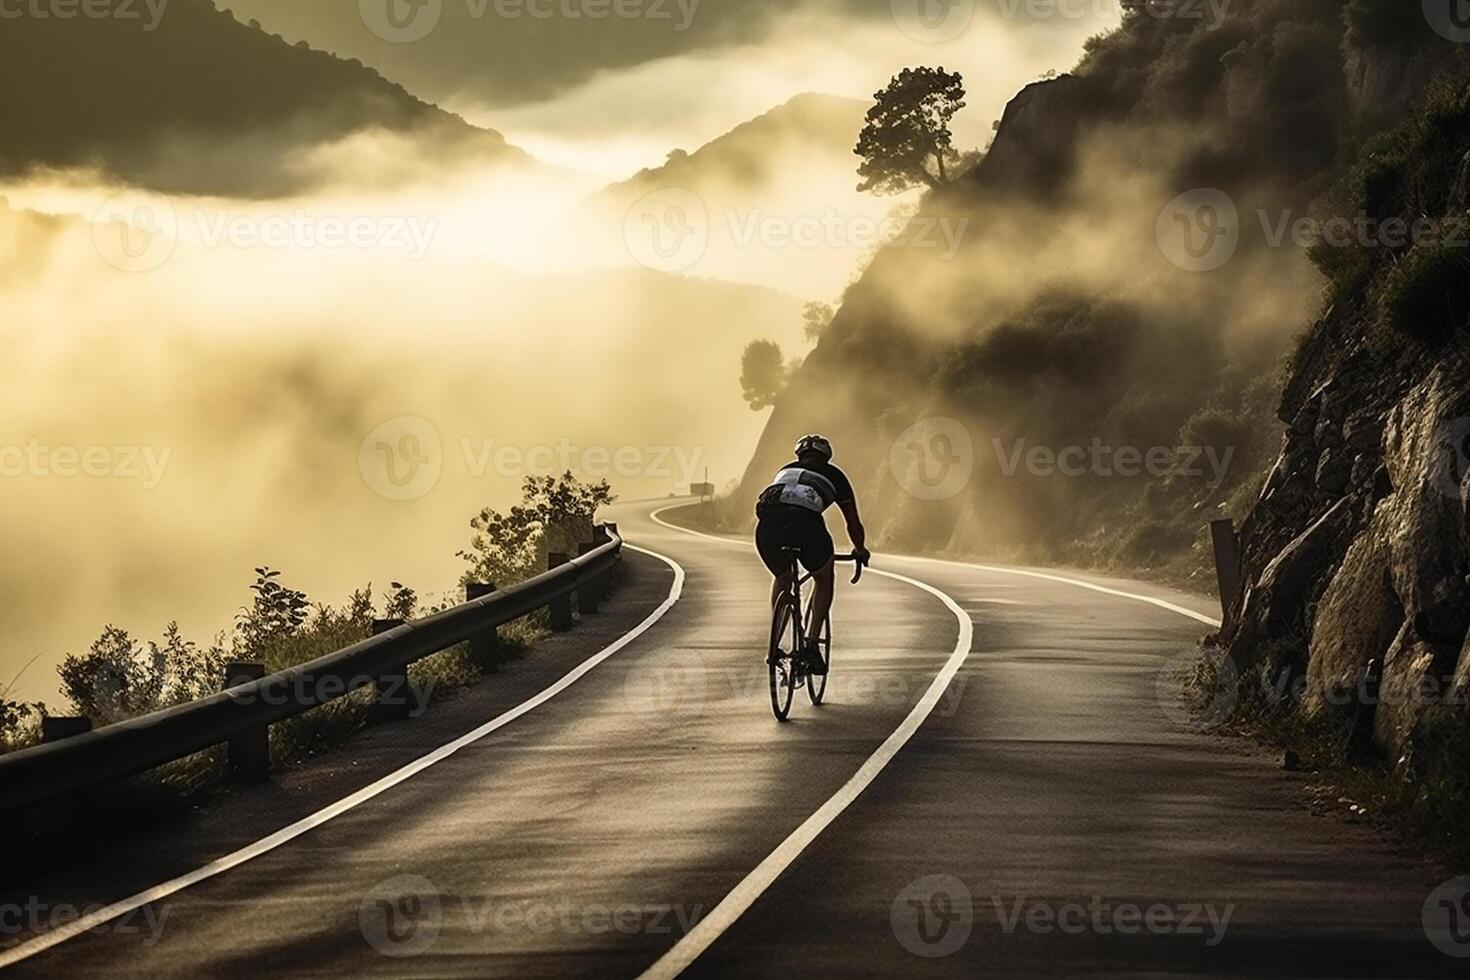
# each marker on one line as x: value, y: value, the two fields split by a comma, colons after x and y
x: 1040, y: 808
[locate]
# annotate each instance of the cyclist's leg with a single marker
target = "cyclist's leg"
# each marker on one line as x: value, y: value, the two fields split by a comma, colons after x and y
x: 822, y: 581
x: 771, y: 536
x: 816, y: 554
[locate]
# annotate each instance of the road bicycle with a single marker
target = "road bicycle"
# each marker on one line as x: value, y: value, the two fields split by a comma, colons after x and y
x: 789, y: 619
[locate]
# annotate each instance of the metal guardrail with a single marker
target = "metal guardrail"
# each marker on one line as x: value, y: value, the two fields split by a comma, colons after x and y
x: 43, y: 772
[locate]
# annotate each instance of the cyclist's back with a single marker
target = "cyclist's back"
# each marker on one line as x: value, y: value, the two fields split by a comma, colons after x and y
x: 789, y: 521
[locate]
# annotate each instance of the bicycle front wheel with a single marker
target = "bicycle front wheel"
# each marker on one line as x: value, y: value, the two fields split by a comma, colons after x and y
x: 781, y: 659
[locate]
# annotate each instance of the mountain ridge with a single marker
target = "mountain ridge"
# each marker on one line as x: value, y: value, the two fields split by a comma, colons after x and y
x: 151, y: 106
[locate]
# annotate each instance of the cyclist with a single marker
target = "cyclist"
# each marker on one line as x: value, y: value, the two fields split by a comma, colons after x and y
x: 789, y: 514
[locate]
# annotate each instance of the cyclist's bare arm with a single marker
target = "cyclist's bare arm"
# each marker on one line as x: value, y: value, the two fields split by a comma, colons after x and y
x: 855, y: 532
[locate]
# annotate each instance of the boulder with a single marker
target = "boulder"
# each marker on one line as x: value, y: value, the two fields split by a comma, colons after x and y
x: 1428, y: 559
x: 1276, y: 604
x: 1357, y: 619
x: 1411, y: 686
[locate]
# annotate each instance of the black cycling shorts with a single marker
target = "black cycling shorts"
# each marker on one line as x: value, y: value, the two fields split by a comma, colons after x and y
x: 796, y: 527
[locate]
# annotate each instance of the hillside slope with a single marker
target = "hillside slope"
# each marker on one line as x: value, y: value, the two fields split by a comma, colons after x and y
x: 1100, y: 391
x: 773, y: 201
x: 803, y: 133
x: 197, y: 102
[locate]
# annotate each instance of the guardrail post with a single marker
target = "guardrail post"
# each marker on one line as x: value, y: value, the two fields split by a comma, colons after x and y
x: 250, y: 751
x: 604, y: 534
x: 396, y: 699
x: 484, y: 647
x: 589, y: 594
x: 1227, y: 564
x: 54, y: 728
x: 561, y: 607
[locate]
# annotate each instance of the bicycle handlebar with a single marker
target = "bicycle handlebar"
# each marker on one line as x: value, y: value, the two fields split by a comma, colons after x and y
x: 852, y: 558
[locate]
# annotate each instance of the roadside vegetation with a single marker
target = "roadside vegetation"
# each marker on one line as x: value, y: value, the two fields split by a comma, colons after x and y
x: 119, y: 677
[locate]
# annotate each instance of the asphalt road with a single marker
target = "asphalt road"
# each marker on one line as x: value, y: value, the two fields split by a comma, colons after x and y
x: 1046, y: 811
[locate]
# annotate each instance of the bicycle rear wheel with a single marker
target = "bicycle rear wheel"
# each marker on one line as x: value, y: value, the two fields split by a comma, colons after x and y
x: 781, y: 659
x: 816, y: 684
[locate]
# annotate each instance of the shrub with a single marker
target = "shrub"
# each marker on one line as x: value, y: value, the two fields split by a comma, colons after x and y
x: 274, y: 614
x: 555, y: 514
x: 118, y: 679
x: 1427, y: 293
x: 19, y: 721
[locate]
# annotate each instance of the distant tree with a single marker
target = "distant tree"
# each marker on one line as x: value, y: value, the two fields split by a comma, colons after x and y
x: 815, y: 318
x: 906, y: 141
x: 763, y: 373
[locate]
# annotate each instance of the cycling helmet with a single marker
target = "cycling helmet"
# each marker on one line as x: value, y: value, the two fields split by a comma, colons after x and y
x: 814, y: 445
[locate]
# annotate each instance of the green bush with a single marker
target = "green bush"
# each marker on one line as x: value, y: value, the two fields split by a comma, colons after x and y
x: 1406, y: 173
x: 1427, y: 293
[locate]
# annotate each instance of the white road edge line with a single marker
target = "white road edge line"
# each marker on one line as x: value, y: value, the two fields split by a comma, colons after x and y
x: 61, y: 934
x: 752, y: 886
x: 997, y: 569
x: 688, y: 949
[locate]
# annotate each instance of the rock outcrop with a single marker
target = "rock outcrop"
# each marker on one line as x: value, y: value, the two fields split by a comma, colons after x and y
x: 1358, y: 551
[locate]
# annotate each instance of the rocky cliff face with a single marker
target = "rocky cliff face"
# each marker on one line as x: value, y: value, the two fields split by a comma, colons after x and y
x: 1357, y: 554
